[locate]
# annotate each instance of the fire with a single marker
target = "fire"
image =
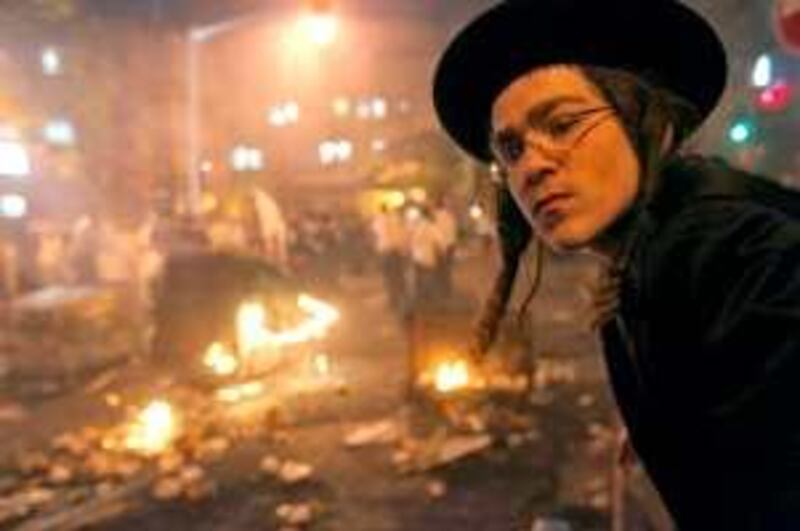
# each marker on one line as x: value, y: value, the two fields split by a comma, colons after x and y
x: 322, y: 364
x: 220, y: 360
x: 154, y: 429
x: 451, y: 376
x: 252, y: 333
x: 237, y: 393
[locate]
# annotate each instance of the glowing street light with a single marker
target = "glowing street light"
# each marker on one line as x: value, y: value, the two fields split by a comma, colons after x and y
x: 320, y: 27
x: 51, y: 62
x: 379, y: 108
x: 762, y: 72
x: 59, y: 132
x: 341, y: 106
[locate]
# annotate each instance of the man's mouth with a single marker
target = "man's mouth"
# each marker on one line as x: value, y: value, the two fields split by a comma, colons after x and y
x: 549, y: 203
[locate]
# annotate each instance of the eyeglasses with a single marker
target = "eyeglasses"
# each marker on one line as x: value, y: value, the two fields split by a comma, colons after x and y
x: 559, y: 133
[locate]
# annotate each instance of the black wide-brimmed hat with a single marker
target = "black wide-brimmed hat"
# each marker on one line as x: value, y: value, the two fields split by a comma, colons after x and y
x: 662, y: 41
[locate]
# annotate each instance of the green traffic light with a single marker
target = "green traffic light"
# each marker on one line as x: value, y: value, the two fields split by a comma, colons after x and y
x: 741, y: 132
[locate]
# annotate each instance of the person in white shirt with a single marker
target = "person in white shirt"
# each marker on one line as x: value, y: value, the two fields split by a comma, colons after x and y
x: 426, y: 255
x: 391, y: 242
x: 447, y: 227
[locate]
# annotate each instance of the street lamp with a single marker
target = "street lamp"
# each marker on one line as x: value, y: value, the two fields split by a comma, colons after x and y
x: 321, y: 26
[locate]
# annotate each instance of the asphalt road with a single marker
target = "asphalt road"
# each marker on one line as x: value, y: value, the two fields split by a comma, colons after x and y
x: 560, y: 470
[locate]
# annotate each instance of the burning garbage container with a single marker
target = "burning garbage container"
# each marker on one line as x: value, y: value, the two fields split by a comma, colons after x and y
x: 228, y: 317
x: 199, y: 296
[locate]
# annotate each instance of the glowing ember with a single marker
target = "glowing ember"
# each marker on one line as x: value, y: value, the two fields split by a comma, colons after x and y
x: 322, y: 364
x: 451, y: 376
x: 220, y: 360
x: 237, y: 393
x: 154, y: 429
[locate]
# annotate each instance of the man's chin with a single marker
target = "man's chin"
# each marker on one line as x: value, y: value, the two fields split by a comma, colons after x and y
x: 564, y: 242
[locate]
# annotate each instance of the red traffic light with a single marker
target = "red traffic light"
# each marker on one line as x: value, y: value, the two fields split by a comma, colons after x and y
x: 774, y: 98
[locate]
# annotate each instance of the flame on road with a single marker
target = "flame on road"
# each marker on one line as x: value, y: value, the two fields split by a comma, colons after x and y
x: 253, y: 334
x: 451, y: 376
x: 237, y: 393
x: 221, y: 360
x: 322, y: 364
x: 153, y: 430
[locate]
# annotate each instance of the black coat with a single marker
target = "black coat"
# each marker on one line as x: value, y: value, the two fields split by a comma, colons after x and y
x: 704, y: 356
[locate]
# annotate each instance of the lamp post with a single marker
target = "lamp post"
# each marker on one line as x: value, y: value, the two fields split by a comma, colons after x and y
x: 320, y: 27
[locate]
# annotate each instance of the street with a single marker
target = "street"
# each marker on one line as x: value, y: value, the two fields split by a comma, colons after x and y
x: 561, y: 465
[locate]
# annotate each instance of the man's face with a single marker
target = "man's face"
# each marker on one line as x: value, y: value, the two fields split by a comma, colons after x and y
x: 569, y: 163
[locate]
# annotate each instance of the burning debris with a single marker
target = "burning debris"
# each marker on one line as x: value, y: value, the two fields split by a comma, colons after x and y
x: 239, y: 392
x: 452, y: 376
x: 221, y: 360
x: 436, y: 489
x: 154, y: 429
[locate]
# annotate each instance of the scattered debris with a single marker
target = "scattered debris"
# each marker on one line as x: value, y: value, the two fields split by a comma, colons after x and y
x: 436, y: 489
x: 515, y: 440
x: 200, y: 490
x: 212, y: 449
x: 101, y: 382
x: 112, y: 400
x: 168, y: 488
x: 71, y: 443
x: 192, y: 474
x: 551, y: 524
x: 170, y: 462
x: 384, y: 431
x: 459, y: 447
x: 270, y: 465
x: 32, y: 462
x: 59, y: 474
x: 292, y: 472
x: 586, y: 400
x: 11, y: 412
x: 296, y: 514
x: 438, y: 451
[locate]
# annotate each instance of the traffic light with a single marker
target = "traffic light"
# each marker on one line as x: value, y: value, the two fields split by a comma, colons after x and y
x: 742, y: 131
x: 774, y: 98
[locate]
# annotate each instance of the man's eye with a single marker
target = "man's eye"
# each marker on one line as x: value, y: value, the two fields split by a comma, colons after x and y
x: 510, y: 146
x: 562, y: 126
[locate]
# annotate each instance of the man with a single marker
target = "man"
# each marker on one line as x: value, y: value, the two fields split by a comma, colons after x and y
x: 583, y: 105
x: 390, y: 244
x: 447, y: 228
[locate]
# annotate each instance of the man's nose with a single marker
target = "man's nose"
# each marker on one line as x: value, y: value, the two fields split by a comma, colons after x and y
x: 537, y: 163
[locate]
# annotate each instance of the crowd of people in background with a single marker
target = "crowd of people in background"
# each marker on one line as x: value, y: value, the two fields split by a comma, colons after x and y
x: 416, y: 246
x: 413, y: 247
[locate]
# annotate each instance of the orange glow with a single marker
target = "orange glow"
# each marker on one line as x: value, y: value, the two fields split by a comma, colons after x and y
x: 237, y: 393
x: 153, y: 430
x: 451, y: 376
x: 220, y: 360
x: 252, y: 333
x: 322, y: 364
x: 320, y: 28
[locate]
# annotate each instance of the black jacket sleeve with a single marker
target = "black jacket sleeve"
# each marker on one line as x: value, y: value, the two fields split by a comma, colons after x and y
x: 737, y: 265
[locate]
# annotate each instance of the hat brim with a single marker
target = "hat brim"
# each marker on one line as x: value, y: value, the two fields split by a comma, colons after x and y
x: 663, y: 41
